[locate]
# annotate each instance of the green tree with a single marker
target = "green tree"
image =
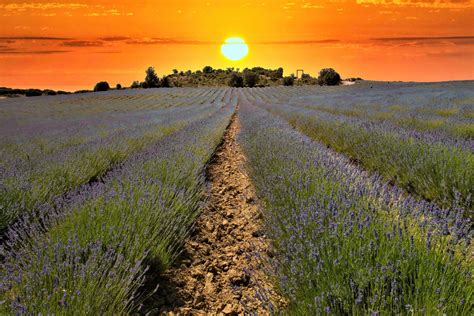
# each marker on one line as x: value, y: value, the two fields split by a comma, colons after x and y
x: 277, y: 74
x: 329, y: 77
x: 151, y: 78
x: 288, y: 81
x: 33, y: 93
x: 101, y: 86
x: 251, y: 79
x: 165, y: 82
x: 208, y: 70
x: 236, y: 81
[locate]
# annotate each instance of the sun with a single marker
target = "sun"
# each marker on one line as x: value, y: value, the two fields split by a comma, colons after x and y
x: 234, y: 48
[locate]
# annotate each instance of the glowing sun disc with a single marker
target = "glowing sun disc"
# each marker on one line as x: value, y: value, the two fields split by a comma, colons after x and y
x: 234, y: 48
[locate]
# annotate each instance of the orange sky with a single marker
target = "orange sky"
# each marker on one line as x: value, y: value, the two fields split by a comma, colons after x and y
x: 73, y: 44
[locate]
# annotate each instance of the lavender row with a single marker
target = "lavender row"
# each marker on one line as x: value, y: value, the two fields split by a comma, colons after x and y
x: 344, y: 241
x: 329, y: 105
x: 436, y: 110
x: 26, y: 185
x: 55, y: 125
x: 436, y: 172
x: 93, y: 256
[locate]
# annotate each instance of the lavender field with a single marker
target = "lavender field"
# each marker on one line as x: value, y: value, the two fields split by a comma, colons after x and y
x: 365, y: 193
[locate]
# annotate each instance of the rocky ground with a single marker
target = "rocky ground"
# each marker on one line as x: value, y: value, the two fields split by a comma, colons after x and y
x: 216, y: 273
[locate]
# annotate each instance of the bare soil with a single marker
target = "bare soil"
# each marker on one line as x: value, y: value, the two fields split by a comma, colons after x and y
x: 216, y: 274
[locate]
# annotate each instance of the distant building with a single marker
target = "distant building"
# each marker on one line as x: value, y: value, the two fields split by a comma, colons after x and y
x: 299, y: 73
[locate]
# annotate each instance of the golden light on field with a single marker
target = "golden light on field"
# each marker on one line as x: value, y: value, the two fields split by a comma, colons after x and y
x: 234, y: 48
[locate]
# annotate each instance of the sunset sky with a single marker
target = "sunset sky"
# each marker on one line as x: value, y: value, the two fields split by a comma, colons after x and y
x: 73, y: 44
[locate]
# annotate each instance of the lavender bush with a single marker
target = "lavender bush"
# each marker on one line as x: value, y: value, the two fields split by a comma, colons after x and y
x: 346, y: 243
x: 88, y: 252
x: 440, y: 170
x: 33, y: 174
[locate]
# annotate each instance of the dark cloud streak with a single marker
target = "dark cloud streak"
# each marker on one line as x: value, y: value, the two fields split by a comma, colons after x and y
x: 78, y: 43
x: 114, y: 38
x: 423, y: 38
x: 299, y: 42
x: 34, y: 52
x: 167, y: 41
x: 33, y: 38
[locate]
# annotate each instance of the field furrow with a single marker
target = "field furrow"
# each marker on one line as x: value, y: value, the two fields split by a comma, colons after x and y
x: 218, y: 271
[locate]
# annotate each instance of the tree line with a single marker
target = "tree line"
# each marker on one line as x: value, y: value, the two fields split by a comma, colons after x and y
x: 208, y: 76
x: 248, y: 77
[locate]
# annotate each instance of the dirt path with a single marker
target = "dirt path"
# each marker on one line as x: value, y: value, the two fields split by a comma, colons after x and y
x: 212, y: 276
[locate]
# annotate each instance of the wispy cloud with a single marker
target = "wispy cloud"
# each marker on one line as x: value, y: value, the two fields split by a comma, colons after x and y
x: 422, y: 3
x: 23, y: 45
x: 41, y: 6
x: 51, y: 9
x: 425, y: 40
x: 33, y: 38
x: 167, y: 41
x: 299, y: 42
x: 114, y: 38
x: 10, y: 51
x: 78, y: 43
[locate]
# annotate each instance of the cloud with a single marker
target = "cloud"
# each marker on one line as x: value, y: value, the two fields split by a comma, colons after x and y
x: 50, y: 9
x: 4, y: 49
x: 425, y: 40
x: 114, y: 38
x: 422, y: 3
x: 111, y: 12
x: 167, y: 41
x: 41, y: 6
x: 452, y: 54
x: 300, y: 42
x: 379, y: 42
x: 108, y: 52
x: 33, y: 38
x: 11, y: 51
x: 80, y: 43
x: 308, y: 5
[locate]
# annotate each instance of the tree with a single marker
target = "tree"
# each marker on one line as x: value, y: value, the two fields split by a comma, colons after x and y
x: 329, y: 77
x: 175, y: 72
x: 277, y: 73
x: 33, y: 93
x: 288, y: 81
x: 101, y: 86
x: 236, y: 81
x: 49, y: 92
x: 135, y: 84
x: 119, y: 86
x: 251, y: 79
x: 151, y: 78
x: 208, y: 70
x: 165, y: 82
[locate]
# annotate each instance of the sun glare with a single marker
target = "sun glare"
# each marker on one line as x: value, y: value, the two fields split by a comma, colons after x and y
x: 234, y: 48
